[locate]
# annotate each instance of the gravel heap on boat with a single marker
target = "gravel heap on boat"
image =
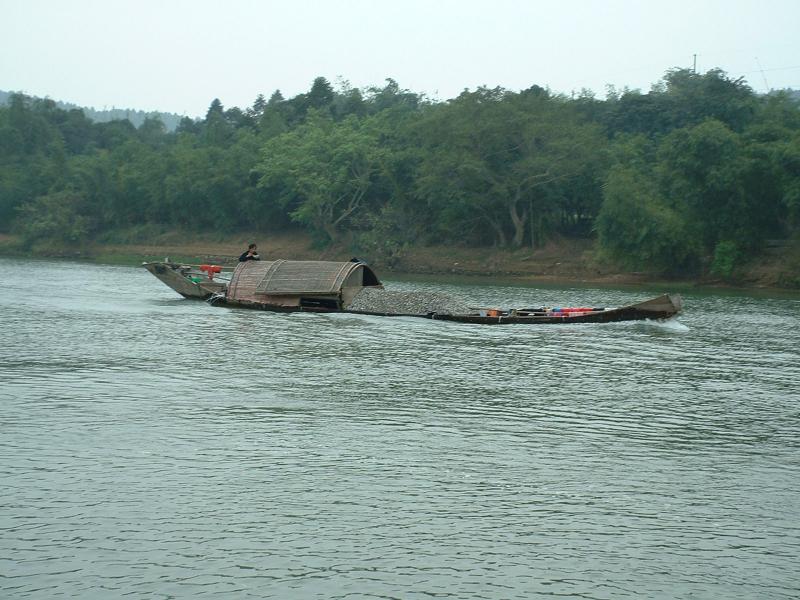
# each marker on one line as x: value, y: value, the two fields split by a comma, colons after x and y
x: 407, y: 303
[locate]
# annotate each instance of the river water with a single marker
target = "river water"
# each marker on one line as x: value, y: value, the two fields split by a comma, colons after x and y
x: 155, y: 447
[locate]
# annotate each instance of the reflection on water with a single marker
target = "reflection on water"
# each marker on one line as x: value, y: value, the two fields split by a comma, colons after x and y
x: 158, y: 447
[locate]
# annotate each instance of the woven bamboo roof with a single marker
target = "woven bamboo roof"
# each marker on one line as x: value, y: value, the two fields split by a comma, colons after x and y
x: 295, y: 277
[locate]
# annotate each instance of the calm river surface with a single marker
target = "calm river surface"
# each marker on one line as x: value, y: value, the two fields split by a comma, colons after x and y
x: 155, y: 447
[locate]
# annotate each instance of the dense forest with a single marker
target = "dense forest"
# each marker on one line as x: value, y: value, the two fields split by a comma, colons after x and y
x: 698, y: 173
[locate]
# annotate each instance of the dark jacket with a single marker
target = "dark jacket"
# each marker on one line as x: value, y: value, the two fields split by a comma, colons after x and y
x: 245, y: 257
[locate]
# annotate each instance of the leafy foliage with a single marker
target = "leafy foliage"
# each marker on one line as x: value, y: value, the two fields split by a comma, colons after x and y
x: 57, y: 216
x: 638, y: 227
x: 322, y: 170
x: 697, y: 171
x: 726, y: 258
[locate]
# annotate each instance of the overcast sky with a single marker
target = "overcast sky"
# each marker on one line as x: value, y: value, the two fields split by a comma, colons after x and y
x: 178, y: 55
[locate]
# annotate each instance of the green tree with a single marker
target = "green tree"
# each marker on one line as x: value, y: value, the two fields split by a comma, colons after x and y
x: 215, y: 108
x: 152, y: 131
x: 348, y: 101
x: 257, y: 110
x: 321, y: 94
x: 683, y: 98
x: 113, y: 133
x: 276, y: 116
x: 638, y: 228
x: 499, y: 156
x: 723, y: 185
x: 60, y: 216
x: 76, y: 130
x: 392, y: 97
x: 322, y: 171
x: 789, y: 157
x: 691, y: 98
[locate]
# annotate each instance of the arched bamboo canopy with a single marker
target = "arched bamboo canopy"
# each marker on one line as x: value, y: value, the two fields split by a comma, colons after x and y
x: 291, y: 283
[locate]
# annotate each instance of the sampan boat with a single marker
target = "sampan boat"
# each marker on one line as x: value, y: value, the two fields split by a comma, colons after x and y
x: 191, y: 281
x: 353, y: 287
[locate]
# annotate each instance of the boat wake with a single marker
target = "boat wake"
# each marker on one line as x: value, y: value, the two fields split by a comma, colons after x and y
x: 667, y: 325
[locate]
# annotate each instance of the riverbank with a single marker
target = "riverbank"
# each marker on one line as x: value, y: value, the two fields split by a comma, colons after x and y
x: 564, y: 261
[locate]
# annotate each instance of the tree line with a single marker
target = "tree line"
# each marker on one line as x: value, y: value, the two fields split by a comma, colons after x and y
x: 697, y: 171
x: 136, y: 117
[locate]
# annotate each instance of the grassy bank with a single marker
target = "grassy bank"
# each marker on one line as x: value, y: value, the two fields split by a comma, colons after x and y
x: 563, y: 261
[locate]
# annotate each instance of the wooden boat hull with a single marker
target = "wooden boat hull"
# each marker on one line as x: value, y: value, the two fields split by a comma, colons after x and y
x: 659, y: 308
x: 177, y: 277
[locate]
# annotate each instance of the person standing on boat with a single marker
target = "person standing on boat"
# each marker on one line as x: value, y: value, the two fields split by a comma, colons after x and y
x: 250, y: 254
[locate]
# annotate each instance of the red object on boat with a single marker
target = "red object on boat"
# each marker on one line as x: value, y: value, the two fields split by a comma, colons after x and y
x: 210, y: 269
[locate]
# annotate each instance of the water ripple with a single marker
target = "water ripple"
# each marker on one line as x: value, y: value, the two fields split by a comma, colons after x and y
x: 155, y: 447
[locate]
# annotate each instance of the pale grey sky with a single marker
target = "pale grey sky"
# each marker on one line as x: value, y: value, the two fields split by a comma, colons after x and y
x: 178, y: 55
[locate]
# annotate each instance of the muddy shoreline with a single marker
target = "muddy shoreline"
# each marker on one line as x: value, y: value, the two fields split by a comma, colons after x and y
x: 565, y: 262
